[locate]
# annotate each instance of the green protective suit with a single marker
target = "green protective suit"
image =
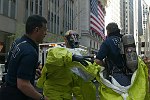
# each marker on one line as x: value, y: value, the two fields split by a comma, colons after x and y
x: 138, y: 90
x: 59, y: 82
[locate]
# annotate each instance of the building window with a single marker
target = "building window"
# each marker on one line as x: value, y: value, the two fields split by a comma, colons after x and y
x: 143, y: 44
x: 52, y: 17
x: 52, y: 22
x: 94, y: 44
x: 27, y: 4
x: 97, y: 46
x: 0, y: 5
x: 55, y: 19
x: 40, y: 8
x: 58, y: 20
x: 33, y: 7
x: 55, y: 2
x: 90, y: 43
x: 58, y: 3
x: 48, y: 18
x: 13, y: 9
x: 36, y: 6
x: 8, y: 8
x: 63, y: 23
x: 5, y: 7
x: 57, y: 24
x: 55, y: 6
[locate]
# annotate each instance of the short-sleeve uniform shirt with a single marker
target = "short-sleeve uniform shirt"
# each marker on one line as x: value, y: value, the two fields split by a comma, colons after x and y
x: 23, y: 60
x: 110, y: 49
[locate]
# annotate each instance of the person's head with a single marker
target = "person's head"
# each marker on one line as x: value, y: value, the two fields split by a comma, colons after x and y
x: 71, y: 39
x: 36, y: 27
x: 112, y: 28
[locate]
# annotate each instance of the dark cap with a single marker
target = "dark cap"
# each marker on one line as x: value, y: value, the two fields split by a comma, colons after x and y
x: 112, y: 27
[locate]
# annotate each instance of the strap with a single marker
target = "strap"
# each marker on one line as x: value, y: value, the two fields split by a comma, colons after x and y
x: 120, y: 46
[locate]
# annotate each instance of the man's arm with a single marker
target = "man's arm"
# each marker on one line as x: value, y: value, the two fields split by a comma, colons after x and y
x: 27, y: 88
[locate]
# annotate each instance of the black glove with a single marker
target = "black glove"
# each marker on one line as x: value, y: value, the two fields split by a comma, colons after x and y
x: 80, y: 59
x: 89, y: 58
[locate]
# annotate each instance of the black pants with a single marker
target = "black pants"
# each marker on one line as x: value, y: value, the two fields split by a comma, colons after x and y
x: 12, y: 93
x: 122, y: 78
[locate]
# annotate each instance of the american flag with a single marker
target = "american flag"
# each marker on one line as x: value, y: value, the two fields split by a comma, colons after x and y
x: 97, y: 18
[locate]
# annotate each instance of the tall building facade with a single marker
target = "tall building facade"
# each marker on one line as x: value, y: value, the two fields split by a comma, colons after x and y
x: 114, y: 12
x: 7, y: 25
x: 145, y: 10
x: 122, y: 13
x: 148, y: 33
x: 146, y: 28
x: 128, y: 16
x: 62, y: 15
x: 138, y: 30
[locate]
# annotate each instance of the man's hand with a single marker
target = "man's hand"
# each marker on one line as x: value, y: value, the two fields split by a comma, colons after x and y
x: 38, y: 71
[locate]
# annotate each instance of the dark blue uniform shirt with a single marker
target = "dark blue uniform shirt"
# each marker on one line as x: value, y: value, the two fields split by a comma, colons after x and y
x: 110, y: 49
x: 22, y: 60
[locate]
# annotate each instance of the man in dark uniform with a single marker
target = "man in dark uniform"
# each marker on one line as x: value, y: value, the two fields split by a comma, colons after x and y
x: 110, y: 51
x: 22, y: 63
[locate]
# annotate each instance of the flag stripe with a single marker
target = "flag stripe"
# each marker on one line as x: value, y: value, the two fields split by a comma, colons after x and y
x: 97, y: 18
x: 103, y: 36
x: 101, y: 14
x: 97, y: 30
x: 96, y: 21
x: 100, y: 10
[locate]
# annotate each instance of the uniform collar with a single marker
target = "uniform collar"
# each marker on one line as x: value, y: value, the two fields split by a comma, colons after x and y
x: 29, y: 40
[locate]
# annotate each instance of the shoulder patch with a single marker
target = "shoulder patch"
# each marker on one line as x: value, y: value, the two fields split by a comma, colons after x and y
x: 116, y: 41
x: 15, y: 50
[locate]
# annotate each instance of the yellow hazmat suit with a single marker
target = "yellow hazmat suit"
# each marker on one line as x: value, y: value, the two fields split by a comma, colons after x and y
x: 138, y: 90
x: 59, y: 82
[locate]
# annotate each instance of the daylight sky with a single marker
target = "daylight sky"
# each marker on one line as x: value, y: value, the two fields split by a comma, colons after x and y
x: 148, y: 2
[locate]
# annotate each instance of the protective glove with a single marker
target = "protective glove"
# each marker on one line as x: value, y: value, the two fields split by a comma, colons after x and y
x: 80, y: 59
x: 90, y: 59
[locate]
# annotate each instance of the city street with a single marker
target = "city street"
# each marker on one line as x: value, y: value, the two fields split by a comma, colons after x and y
x: 57, y: 35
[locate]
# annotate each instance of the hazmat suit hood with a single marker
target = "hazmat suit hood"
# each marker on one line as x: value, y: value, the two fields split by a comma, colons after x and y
x: 72, y: 38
